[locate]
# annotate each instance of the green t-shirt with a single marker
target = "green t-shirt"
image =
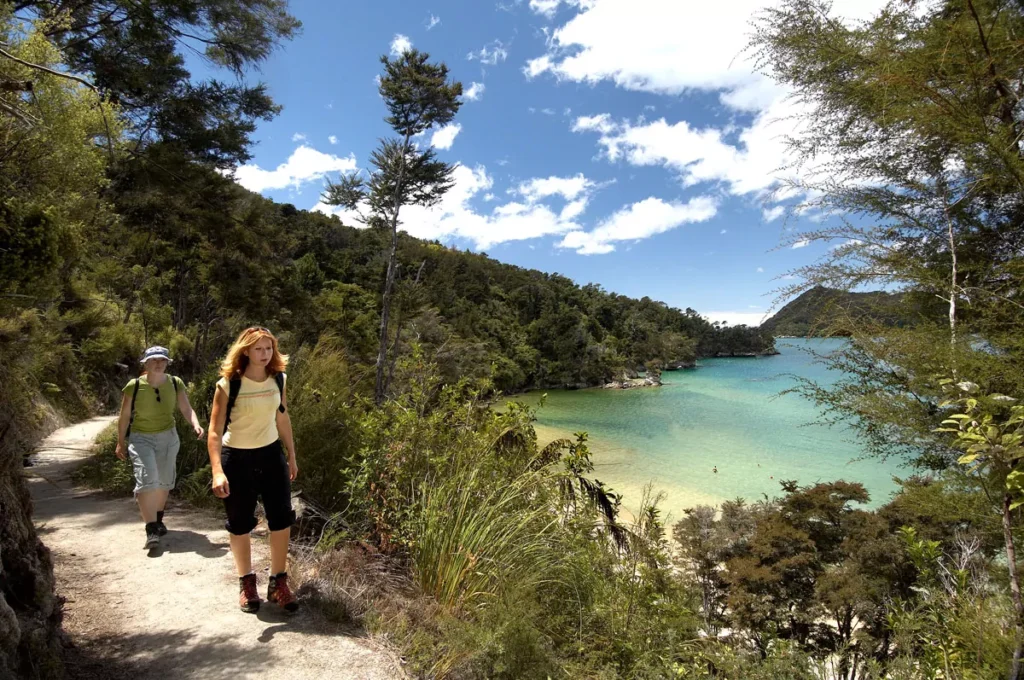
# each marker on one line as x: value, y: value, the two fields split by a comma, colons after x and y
x: 152, y: 416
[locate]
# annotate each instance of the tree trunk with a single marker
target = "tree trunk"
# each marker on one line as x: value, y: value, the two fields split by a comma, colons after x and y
x: 398, y: 333
x: 380, y: 388
x: 181, y: 308
x: 385, y: 316
x: 844, y: 625
x: 1011, y: 563
x: 952, y: 283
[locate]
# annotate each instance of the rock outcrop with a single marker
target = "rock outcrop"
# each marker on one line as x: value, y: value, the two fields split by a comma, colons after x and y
x: 680, y: 365
x: 650, y: 381
x: 30, y: 611
x: 741, y: 355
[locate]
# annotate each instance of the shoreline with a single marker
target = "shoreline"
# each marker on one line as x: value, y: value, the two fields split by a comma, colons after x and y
x: 689, y: 442
x: 676, y: 499
x: 632, y: 383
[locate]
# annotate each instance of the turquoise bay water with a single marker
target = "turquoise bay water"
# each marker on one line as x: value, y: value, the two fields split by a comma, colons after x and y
x: 725, y: 414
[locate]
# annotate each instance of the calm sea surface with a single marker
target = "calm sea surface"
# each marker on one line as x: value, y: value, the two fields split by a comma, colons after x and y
x: 725, y: 415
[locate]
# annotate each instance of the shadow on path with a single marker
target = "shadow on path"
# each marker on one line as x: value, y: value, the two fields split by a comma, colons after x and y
x: 186, y: 541
x: 161, y: 655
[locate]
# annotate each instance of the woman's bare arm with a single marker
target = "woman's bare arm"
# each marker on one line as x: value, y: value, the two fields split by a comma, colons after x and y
x: 186, y: 410
x: 122, y: 426
x: 284, y: 431
x: 218, y: 413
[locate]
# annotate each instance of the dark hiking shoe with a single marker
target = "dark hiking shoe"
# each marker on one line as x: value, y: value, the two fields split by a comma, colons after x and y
x: 152, y: 536
x: 248, y: 597
x: 280, y: 594
x: 160, y: 528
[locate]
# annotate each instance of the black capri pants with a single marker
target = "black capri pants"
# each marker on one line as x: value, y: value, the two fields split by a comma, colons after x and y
x: 257, y: 473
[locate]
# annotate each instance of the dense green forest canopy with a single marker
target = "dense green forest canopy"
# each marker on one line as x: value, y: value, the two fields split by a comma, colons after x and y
x: 523, y: 328
x: 823, y: 311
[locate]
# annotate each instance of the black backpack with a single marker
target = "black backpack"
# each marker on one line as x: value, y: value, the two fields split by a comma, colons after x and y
x: 233, y: 388
x: 135, y: 393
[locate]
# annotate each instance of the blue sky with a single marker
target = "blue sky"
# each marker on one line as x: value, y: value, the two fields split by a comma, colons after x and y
x: 627, y: 143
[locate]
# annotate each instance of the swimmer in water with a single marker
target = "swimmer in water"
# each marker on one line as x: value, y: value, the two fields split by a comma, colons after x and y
x: 715, y: 470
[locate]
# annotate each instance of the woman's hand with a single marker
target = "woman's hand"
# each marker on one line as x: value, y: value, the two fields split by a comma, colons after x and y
x: 220, y: 485
x: 120, y: 451
x: 198, y: 429
x: 293, y: 468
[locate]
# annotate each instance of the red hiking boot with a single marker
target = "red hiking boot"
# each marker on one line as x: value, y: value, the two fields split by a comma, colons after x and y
x: 279, y: 593
x: 248, y: 597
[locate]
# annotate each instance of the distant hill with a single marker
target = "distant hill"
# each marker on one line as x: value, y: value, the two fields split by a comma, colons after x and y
x: 816, y: 312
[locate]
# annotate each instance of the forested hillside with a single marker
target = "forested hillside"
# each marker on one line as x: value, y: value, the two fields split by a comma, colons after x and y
x: 179, y: 268
x: 828, y: 311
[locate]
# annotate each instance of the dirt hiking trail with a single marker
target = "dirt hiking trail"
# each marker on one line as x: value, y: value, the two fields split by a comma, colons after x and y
x: 171, y: 613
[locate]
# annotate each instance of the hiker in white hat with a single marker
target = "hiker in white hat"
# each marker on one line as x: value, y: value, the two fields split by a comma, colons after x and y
x: 146, y: 433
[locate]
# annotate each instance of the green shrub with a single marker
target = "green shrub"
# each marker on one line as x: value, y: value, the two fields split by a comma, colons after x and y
x: 426, y: 435
x: 325, y: 413
x: 196, y: 489
x: 104, y: 470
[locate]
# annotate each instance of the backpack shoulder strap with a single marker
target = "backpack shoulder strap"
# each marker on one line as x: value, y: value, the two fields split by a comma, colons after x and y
x: 174, y: 381
x: 131, y: 418
x: 234, y: 385
x: 279, y: 379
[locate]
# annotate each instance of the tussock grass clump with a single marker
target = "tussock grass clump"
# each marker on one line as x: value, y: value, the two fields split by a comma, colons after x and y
x: 474, y: 539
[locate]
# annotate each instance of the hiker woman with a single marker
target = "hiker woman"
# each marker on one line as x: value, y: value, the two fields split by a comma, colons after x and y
x: 147, y: 425
x: 250, y: 433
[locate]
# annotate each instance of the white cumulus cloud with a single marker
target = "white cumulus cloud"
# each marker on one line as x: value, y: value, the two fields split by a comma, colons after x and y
x: 332, y: 139
x: 545, y: 7
x: 638, y: 221
x: 298, y: 137
x: 490, y: 54
x: 474, y: 92
x: 306, y: 164
x: 535, y: 67
x: 456, y: 216
x: 573, y: 209
x: 668, y: 47
x: 462, y: 213
x: 751, y: 165
x: 801, y: 244
x: 433, y: 21
x: 569, y: 188
x: 600, y: 123
x: 400, y: 44
x: 445, y: 137
x: 470, y: 211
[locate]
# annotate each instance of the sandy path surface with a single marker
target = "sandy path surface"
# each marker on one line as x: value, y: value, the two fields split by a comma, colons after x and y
x: 171, y: 613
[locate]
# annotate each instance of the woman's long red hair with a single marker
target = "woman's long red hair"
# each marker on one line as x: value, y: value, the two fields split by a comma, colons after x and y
x: 236, y: 361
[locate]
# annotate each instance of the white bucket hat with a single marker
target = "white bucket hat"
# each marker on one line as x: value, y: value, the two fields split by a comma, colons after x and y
x: 156, y: 352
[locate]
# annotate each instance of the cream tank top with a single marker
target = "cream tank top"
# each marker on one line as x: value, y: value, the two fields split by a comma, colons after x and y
x: 254, y: 416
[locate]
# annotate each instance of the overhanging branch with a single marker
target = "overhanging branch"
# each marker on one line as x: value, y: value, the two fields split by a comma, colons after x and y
x: 44, y: 69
